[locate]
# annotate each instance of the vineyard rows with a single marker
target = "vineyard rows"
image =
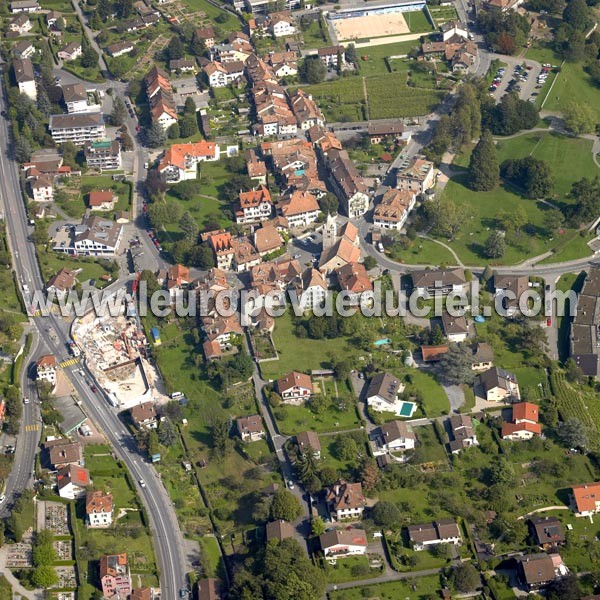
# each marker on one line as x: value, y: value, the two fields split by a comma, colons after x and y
x: 572, y: 404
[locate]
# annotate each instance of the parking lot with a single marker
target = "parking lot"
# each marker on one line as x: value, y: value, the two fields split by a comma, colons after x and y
x: 524, y: 77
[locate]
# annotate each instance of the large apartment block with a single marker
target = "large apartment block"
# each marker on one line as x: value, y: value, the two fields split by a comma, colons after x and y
x: 77, y: 128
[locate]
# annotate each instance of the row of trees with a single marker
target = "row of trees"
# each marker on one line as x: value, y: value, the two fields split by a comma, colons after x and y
x: 505, y: 32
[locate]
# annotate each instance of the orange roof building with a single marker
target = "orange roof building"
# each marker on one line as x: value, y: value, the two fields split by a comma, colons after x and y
x: 585, y: 499
x: 300, y: 209
x: 524, y: 422
x: 180, y: 161
x: 255, y: 205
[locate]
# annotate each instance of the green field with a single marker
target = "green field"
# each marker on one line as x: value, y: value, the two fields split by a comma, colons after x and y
x: 416, y: 587
x: 340, y: 100
x: 295, y: 419
x: 442, y: 14
x: 417, y: 21
x: 371, y: 61
x: 423, y: 251
x: 570, y: 158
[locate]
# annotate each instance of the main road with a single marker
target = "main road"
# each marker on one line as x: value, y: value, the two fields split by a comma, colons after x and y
x: 53, y: 335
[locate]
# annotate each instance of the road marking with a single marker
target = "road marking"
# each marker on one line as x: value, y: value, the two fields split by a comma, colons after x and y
x: 32, y: 427
x: 70, y: 362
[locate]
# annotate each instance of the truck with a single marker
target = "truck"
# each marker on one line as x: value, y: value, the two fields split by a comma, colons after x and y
x: 74, y: 348
x: 112, y: 400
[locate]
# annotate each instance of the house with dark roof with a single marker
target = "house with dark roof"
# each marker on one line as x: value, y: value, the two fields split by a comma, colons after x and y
x: 444, y: 531
x: 279, y: 530
x: 309, y: 440
x: 250, y: 428
x: 535, y: 571
x: 499, y: 384
x: 382, y: 393
x: 456, y: 329
x: 210, y: 589
x: 439, y: 282
x: 143, y: 416
x: 462, y: 433
x: 483, y: 357
x: 345, y: 501
x: 546, y: 531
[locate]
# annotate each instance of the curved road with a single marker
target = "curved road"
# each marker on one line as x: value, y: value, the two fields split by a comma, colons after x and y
x: 53, y: 333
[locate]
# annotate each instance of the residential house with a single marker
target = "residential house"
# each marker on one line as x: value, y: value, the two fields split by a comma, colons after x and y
x: 313, y: 289
x: 283, y: 64
x: 380, y: 131
x: 245, y: 255
x: 345, y: 249
x: 455, y: 329
x: 355, y: 283
x: 23, y: 71
x: 255, y: 205
x: 207, y: 36
x: 75, y: 97
x: 393, y: 209
x: 72, y: 482
x: 62, y: 452
x: 250, y: 428
x: 418, y: 177
x: 267, y: 239
x: 332, y: 56
x: 42, y: 189
x: 279, y: 530
x: 46, y: 162
x: 438, y: 282
x: 115, y: 577
x: 145, y: 593
x: 77, y: 128
x: 349, y: 185
x: 222, y: 74
x: 585, y: 499
x: 160, y: 95
x: 382, y: 393
x: 20, y: 24
x: 547, y: 532
x: 256, y: 168
x: 483, y: 357
x: 432, y: 354
x: 98, y: 509
x: 70, y: 52
x: 210, y: 589
x: 308, y: 441
x: 27, y: 6
x: 180, y: 161
x: 62, y: 282
x: 499, y: 384
x: 281, y: 24
x: 300, y: 209
x: 295, y: 388
x: 396, y: 436
x: 104, y: 155
x: 339, y: 543
x: 444, y: 531
x: 102, y: 200
x: 535, y: 571
x: 462, y: 433
x: 232, y: 52
x: 182, y: 65
x: 46, y: 368
x: 323, y: 140
x: 96, y: 236
x: 165, y: 114
x: 510, y: 288
x: 524, y: 423
x: 306, y: 111
x: 345, y: 501
x: 178, y: 278
x: 454, y: 28
x: 24, y: 49
x: 584, y: 346
x: 143, y: 415
x: 119, y: 49
x: 222, y: 247
x: 53, y: 17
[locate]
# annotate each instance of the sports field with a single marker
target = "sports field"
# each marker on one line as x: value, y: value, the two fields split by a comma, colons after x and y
x: 369, y: 26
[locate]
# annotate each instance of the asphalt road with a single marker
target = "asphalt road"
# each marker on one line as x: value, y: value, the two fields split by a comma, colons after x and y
x: 54, y: 334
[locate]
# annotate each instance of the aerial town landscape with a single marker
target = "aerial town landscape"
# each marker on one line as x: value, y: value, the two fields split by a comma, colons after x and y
x: 301, y: 299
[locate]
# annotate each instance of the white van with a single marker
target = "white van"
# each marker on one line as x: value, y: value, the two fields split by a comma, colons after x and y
x: 176, y: 395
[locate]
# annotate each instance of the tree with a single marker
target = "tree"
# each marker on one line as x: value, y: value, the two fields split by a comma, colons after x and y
x: 174, y: 131
x: 22, y: 149
x: 189, y: 227
x: 221, y: 442
x: 465, y: 578
x: 437, y: 336
x: 124, y: 8
x: 577, y: 14
x: 565, y: 588
x: 44, y: 577
x: 285, y: 506
x: 484, y: 173
x: 202, y: 257
x: 118, y: 66
x: 167, y: 435
x: 306, y: 465
x: 351, y: 54
x: 572, y: 433
x: 345, y: 448
x: 370, y: 262
x: 313, y: 70
x: 155, y: 135
x: 318, y: 526
x: 43, y: 549
x: 89, y: 58
x: 456, y: 364
x: 188, y: 126
x: 532, y: 174
x: 506, y: 43
x: 119, y: 111
x: 369, y: 473
x: 186, y: 190
x: 152, y: 443
x: 446, y: 216
x: 573, y: 371
x: 387, y: 514
x: 501, y: 472
x: 189, y: 108
x: 329, y: 204
x: 586, y: 194
x: 579, y: 118
x: 175, y: 49
x: 155, y: 185
x: 495, y: 245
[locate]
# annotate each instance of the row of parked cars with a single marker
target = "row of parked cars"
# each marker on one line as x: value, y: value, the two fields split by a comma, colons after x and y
x: 497, y: 79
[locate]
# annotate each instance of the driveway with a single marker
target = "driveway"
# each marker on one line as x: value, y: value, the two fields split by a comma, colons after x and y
x: 456, y: 396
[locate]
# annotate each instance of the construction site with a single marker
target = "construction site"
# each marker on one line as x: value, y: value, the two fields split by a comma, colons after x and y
x: 115, y: 353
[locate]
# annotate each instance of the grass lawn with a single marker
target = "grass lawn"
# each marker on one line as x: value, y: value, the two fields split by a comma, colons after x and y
x: 342, y: 570
x: 371, y: 61
x: 328, y: 457
x: 294, y: 419
x: 5, y: 589
x: 215, y: 565
x: 423, y: 251
x: 483, y: 208
x: 442, y: 14
x: 430, y: 449
x: 51, y: 262
x: 570, y: 158
x: 301, y: 354
x: 315, y: 35
x: 416, y: 587
x: 417, y: 21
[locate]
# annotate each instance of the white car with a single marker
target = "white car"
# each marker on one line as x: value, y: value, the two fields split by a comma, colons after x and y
x: 25, y: 400
x: 2, y: 498
x: 142, y: 483
x: 291, y: 484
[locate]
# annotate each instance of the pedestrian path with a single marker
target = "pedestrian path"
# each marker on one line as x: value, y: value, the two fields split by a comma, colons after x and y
x: 69, y: 362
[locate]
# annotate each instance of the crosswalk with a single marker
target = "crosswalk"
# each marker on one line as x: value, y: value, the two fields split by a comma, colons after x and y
x: 35, y: 427
x: 69, y: 362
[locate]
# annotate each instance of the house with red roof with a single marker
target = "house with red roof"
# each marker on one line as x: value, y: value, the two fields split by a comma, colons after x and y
x: 585, y: 499
x: 72, y: 482
x: 102, y: 200
x: 524, y: 423
x: 255, y: 205
x: 295, y: 388
x: 115, y: 576
x: 180, y: 161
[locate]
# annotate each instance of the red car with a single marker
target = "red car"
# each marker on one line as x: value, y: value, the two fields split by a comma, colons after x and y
x: 549, y: 322
x: 94, y: 389
x: 138, y: 128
